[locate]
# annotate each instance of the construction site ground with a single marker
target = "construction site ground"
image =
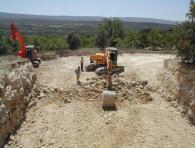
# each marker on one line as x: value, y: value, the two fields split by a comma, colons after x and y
x: 79, y: 121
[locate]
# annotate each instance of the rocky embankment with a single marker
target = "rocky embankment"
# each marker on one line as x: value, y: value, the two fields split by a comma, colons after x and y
x: 179, y: 87
x: 16, y: 91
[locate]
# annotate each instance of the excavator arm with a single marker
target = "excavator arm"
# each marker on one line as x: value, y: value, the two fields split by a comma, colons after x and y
x: 15, y: 35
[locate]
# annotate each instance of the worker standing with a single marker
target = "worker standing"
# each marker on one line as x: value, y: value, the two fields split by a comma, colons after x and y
x: 78, y: 73
x: 82, y: 64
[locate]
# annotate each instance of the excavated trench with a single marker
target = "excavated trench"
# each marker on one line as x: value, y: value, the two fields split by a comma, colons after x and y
x: 54, y: 112
x: 16, y: 91
x: 179, y: 86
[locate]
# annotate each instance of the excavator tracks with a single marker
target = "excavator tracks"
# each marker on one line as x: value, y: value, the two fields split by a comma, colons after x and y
x: 103, y: 70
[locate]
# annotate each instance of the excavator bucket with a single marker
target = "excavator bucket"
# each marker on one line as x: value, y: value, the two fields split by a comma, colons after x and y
x: 108, y: 100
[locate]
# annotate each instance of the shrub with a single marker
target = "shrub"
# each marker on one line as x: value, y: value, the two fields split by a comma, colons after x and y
x: 186, y: 42
x: 73, y: 41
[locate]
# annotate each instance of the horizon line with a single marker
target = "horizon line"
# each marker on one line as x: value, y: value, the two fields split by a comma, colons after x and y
x: 53, y: 15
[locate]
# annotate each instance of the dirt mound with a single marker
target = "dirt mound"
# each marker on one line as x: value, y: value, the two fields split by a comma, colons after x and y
x: 134, y: 91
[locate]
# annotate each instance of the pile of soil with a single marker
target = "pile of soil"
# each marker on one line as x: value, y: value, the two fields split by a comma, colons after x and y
x: 135, y: 91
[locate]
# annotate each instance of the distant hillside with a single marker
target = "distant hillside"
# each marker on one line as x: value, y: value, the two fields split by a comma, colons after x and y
x: 62, y: 25
x: 83, y: 18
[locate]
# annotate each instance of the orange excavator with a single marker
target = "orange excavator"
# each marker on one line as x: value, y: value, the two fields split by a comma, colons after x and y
x: 99, y: 62
x: 25, y: 51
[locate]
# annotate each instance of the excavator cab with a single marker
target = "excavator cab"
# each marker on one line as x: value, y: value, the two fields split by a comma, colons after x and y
x: 31, y: 54
x: 113, y: 55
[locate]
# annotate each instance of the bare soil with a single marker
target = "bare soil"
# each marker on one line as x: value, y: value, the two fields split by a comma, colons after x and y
x: 81, y: 122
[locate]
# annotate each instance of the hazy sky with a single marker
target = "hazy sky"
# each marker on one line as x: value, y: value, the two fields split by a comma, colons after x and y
x: 163, y: 9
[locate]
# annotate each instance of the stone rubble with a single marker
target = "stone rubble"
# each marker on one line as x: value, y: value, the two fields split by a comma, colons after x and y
x: 91, y: 90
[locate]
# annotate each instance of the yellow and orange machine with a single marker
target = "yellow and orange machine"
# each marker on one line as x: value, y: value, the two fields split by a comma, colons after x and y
x: 99, y: 62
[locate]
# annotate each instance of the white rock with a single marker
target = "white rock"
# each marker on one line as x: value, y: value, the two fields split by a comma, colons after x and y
x: 42, y: 95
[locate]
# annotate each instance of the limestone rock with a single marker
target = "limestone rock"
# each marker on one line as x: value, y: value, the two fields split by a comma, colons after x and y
x: 16, y: 84
x: 42, y: 95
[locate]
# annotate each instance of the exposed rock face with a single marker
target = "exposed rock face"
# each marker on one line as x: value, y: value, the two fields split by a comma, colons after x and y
x: 179, y: 81
x: 16, y: 86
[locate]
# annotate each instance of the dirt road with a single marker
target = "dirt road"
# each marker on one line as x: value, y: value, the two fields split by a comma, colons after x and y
x: 84, y: 124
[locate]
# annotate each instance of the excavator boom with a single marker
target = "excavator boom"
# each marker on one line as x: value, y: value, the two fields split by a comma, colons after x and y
x: 24, y: 51
x: 15, y: 35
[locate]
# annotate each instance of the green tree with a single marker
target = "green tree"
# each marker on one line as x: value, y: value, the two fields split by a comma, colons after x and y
x: 36, y: 43
x: 116, y: 31
x: 87, y: 41
x: 2, y: 51
x: 109, y: 32
x: 7, y: 46
x: 73, y: 41
x: 1, y: 43
x: 131, y: 39
x: 143, y: 37
x: 170, y: 38
x: 186, y: 42
x: 101, y: 37
x: 186, y: 37
x: 155, y: 38
x: 46, y: 43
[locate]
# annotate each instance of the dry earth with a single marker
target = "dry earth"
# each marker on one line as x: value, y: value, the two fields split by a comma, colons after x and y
x: 81, y: 122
